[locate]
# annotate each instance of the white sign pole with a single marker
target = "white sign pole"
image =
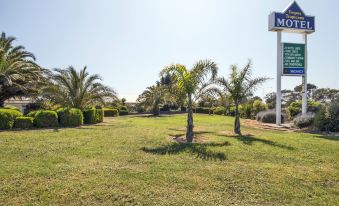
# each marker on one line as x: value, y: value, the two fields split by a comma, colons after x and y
x: 304, y: 82
x: 279, y: 66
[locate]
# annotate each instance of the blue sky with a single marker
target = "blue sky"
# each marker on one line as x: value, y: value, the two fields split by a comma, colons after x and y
x: 128, y: 42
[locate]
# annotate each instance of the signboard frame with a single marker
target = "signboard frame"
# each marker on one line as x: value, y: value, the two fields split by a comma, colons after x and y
x: 306, y: 23
x: 294, y: 20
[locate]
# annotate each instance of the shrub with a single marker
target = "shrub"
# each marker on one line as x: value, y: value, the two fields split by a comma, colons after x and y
x: 7, y: 118
x: 303, y: 121
x: 327, y: 118
x: 295, y: 108
x: 202, y: 110
x: 245, y: 111
x: 123, y: 108
x: 70, y: 117
x: 123, y: 112
x: 46, y: 118
x: 90, y: 116
x: 268, y: 116
x: 12, y: 108
x: 231, y: 111
x: 24, y: 122
x: 32, y: 113
x: 257, y: 107
x: 219, y: 110
x: 99, y: 115
x: 110, y: 112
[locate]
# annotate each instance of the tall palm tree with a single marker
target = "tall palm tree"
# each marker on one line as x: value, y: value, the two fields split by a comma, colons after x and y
x: 70, y: 88
x: 192, y: 83
x: 152, y: 97
x: 239, y: 86
x: 19, y: 74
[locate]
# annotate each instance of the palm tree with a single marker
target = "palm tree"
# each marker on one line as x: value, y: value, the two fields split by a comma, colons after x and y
x: 192, y: 83
x: 151, y: 98
x: 19, y: 74
x: 239, y: 86
x: 70, y: 88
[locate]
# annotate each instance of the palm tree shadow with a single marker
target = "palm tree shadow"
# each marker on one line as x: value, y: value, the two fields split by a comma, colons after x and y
x: 199, y: 149
x: 250, y: 139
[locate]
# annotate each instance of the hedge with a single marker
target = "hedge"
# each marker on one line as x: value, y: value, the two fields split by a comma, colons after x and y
x: 46, y: 118
x: 70, y: 117
x: 93, y: 116
x: 99, y: 114
x: 202, y: 110
x: 7, y: 118
x: 24, y: 122
x: 32, y: 113
x: 123, y: 112
x: 219, y: 110
x: 89, y: 116
x: 111, y: 112
x: 12, y: 108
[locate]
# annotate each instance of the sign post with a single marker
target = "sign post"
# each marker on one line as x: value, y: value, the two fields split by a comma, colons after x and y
x: 291, y: 57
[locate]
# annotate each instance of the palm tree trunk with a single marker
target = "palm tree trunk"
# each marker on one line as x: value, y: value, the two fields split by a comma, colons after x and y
x: 156, y: 110
x: 189, y: 132
x: 237, y: 120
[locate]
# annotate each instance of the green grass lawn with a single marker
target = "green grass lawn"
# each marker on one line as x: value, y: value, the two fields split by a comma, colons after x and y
x: 131, y: 161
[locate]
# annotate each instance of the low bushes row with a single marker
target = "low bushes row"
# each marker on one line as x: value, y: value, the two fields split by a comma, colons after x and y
x: 7, y: 118
x: 111, y: 112
x: 64, y: 117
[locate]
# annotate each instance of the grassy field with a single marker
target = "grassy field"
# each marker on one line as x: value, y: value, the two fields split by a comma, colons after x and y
x: 132, y: 161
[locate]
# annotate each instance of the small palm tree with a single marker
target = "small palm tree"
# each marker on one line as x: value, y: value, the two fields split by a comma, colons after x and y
x: 239, y: 86
x: 70, y: 88
x: 19, y: 74
x: 151, y: 98
x: 192, y: 83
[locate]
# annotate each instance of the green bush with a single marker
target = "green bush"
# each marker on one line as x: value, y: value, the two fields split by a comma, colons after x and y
x: 327, y: 118
x: 257, y: 107
x: 12, y: 108
x: 99, y: 114
x: 123, y: 112
x: 219, y: 110
x: 24, y: 122
x: 32, y: 113
x: 7, y: 118
x: 90, y: 116
x: 70, y: 117
x: 231, y: 111
x: 303, y: 121
x: 295, y: 108
x: 245, y: 111
x: 202, y: 110
x: 46, y: 118
x: 111, y: 112
x: 268, y: 116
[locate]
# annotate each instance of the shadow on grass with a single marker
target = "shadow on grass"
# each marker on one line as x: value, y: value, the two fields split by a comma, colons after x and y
x: 250, y: 139
x: 199, y: 149
x: 152, y: 116
x: 333, y: 138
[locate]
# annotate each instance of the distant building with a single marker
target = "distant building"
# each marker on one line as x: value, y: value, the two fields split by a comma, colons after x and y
x: 18, y: 102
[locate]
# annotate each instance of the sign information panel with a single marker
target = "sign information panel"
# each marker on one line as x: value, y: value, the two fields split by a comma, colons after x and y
x: 292, y: 19
x: 293, y: 59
